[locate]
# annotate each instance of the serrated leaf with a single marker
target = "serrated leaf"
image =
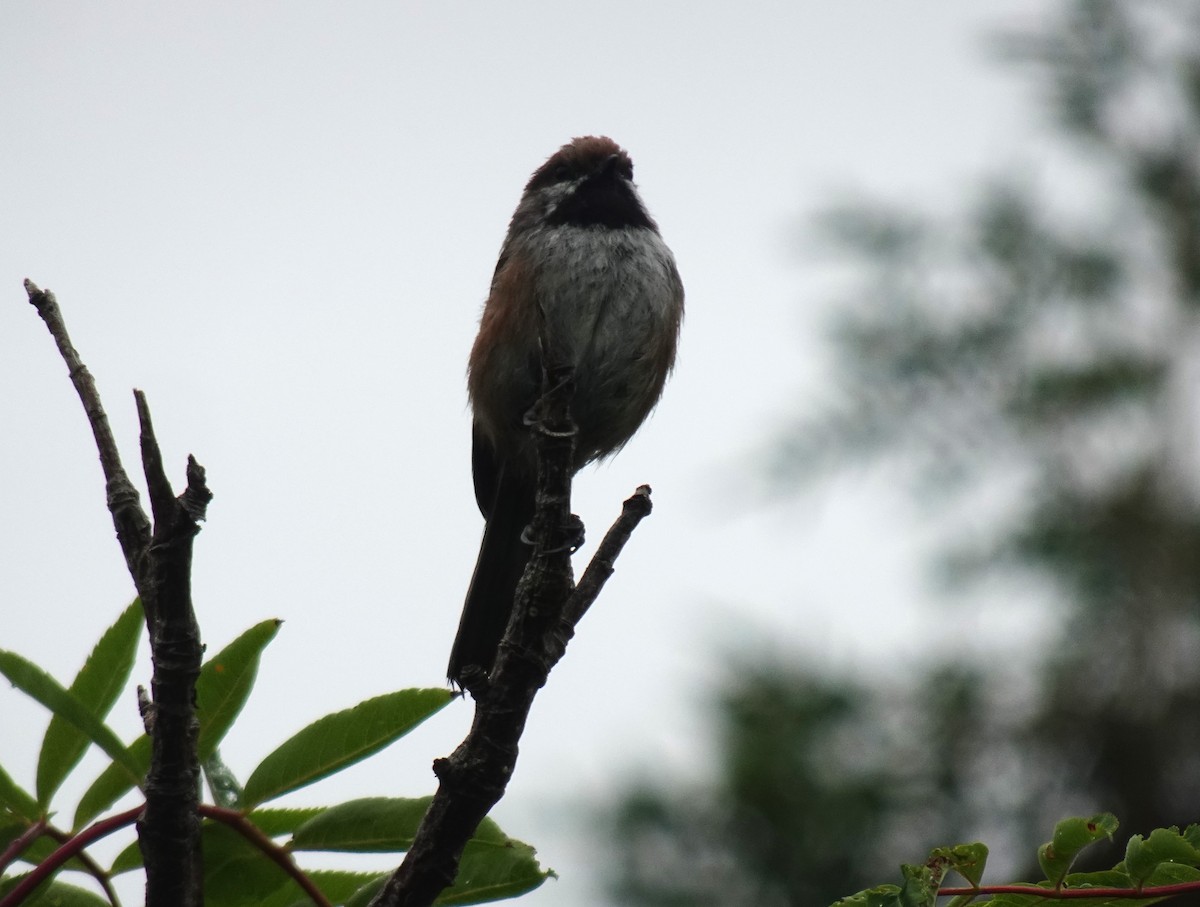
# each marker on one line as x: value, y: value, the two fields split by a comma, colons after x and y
x: 222, y: 689
x: 1173, y: 874
x: 920, y: 888
x: 366, y: 894
x: 339, y: 740
x: 37, y: 850
x: 493, y: 866
x: 127, y: 860
x: 338, y: 886
x: 111, y: 785
x: 39, y: 685
x: 236, y: 873
x: 489, y: 832
x: 276, y: 822
x: 490, y: 871
x: 1108, y: 878
x: 376, y: 825
x: 60, y: 894
x: 1024, y: 900
x: 53, y: 894
x: 1164, y: 846
x: 97, y: 686
x: 1013, y: 900
x: 43, y: 847
x: 879, y: 896
x: 968, y: 860
x: 1070, y: 837
x: 225, y: 683
x: 1191, y: 834
x: 222, y: 782
x: 15, y: 799
x: 369, y: 825
x: 961, y: 900
x: 9, y: 832
x: 1135, y: 864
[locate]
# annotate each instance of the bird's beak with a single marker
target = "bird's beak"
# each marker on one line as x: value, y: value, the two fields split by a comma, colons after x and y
x: 608, y: 165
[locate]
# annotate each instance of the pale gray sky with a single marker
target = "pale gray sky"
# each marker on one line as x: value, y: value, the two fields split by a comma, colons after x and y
x: 280, y: 219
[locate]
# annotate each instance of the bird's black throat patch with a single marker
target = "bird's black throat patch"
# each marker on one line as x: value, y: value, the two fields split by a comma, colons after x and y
x: 603, y: 200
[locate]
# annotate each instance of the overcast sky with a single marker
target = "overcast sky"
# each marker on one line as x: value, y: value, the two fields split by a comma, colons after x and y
x: 280, y: 220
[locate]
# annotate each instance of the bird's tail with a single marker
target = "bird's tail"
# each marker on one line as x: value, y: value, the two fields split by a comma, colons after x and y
x: 502, y: 560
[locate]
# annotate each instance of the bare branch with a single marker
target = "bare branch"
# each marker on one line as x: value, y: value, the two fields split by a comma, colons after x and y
x: 474, y: 778
x: 169, y: 830
x: 159, y: 559
x: 131, y: 522
x: 162, y: 497
x: 602, y: 565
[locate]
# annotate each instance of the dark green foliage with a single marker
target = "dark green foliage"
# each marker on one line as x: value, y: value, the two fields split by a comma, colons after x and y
x: 819, y: 780
x: 1154, y: 868
x: 237, y: 830
x: 1047, y: 340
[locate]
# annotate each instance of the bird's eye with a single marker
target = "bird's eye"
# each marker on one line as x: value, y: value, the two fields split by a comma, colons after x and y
x: 561, y: 173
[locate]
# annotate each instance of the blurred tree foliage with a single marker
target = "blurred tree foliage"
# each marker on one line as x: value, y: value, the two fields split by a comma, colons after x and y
x: 1047, y: 342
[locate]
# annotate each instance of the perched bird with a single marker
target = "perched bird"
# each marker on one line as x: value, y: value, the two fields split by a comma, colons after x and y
x: 584, y: 261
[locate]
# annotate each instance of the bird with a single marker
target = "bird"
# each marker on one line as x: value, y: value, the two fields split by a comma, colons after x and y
x: 584, y: 263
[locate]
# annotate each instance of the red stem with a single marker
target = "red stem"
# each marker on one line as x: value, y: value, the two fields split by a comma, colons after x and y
x: 1066, y: 894
x: 21, y: 843
x: 72, y: 847
x: 280, y: 855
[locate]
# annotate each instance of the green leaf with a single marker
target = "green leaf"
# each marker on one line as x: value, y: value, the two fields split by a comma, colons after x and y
x: 225, y: 683
x: 920, y: 886
x: 367, y: 892
x: 222, y: 689
x: 369, y: 825
x: 336, y: 741
x: 492, y: 870
x: 127, y: 860
x: 1164, y: 846
x: 1026, y: 900
x: 919, y: 890
x: 14, y: 799
x: 493, y: 865
x: 961, y: 900
x: 968, y: 860
x: 276, y: 822
x: 1166, y: 857
x: 337, y: 885
x: 1070, y: 837
x: 271, y: 822
x: 42, y: 848
x: 1173, y: 874
x: 97, y: 686
x: 1106, y: 879
x: 59, y: 894
x: 222, y: 783
x: 9, y: 832
x: 1167, y: 874
x: 1191, y: 834
x: 39, y: 685
x: 111, y: 785
x: 236, y: 872
x: 879, y: 896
